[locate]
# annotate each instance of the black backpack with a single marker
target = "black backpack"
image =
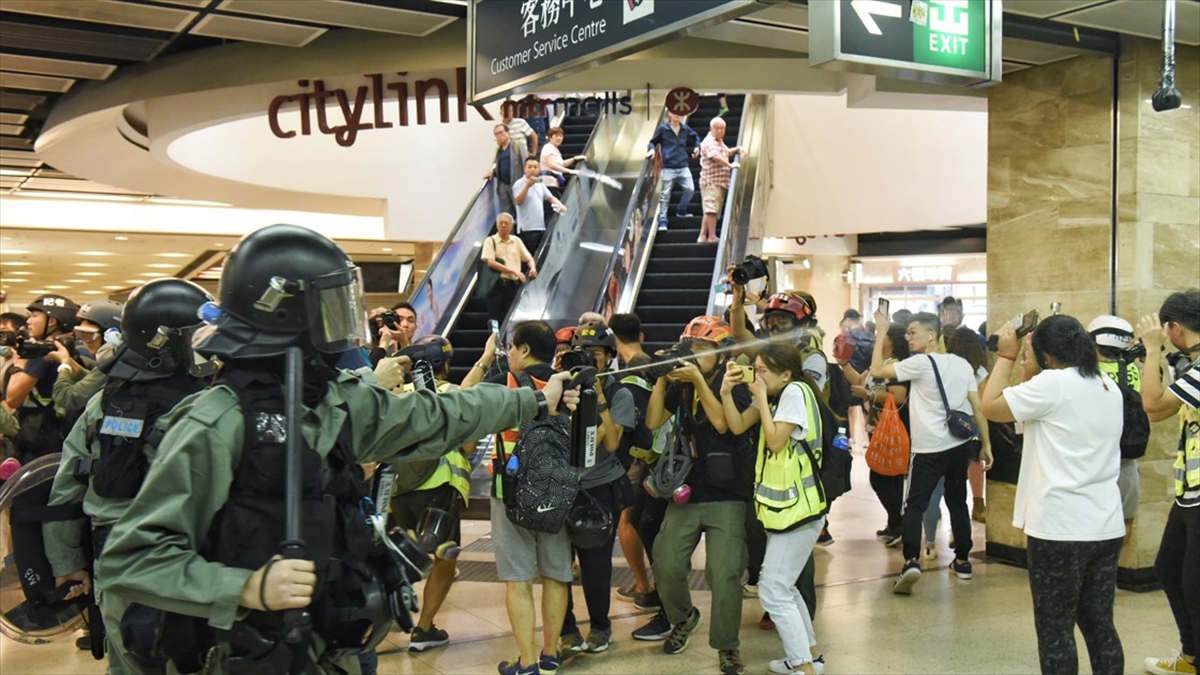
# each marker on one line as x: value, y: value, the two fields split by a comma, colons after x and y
x: 835, y: 465
x: 539, y: 496
x: 1135, y: 435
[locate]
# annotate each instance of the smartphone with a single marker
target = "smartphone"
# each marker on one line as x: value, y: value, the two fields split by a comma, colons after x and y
x: 884, y: 306
x: 1028, y: 322
x: 495, y: 328
x: 747, y: 373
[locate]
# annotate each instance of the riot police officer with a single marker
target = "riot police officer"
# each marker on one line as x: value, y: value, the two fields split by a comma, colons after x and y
x: 201, y: 539
x: 106, y: 456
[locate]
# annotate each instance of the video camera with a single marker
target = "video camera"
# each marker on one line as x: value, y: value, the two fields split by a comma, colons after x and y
x: 28, y: 348
x: 576, y: 357
x: 1024, y: 323
x: 668, y: 360
x: 753, y: 267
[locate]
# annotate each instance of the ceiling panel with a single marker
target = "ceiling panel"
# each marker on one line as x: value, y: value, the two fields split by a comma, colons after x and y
x: 198, y: 4
x: 111, y: 12
x: 6, y: 155
x: 255, y: 30
x: 71, y: 41
x: 11, y: 129
x: 784, y: 14
x: 35, y: 82
x: 14, y: 143
x: 1044, y: 9
x: 1139, y: 17
x: 1010, y: 67
x: 72, y: 185
x: 13, y: 118
x: 79, y: 70
x: 1035, y: 53
x: 349, y: 14
x: 14, y: 101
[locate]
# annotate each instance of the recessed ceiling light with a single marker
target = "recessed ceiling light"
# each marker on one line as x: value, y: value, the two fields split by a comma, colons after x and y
x: 115, y: 288
x: 94, y: 253
x: 58, y: 287
x: 24, y: 274
x: 153, y: 274
x: 121, y: 238
x: 15, y: 281
x: 16, y: 263
x: 14, y: 251
x: 91, y: 264
x: 90, y: 274
x: 163, y: 266
x: 173, y: 255
x: 92, y: 292
x: 77, y: 281
x: 39, y: 291
x: 135, y: 282
x: 386, y: 250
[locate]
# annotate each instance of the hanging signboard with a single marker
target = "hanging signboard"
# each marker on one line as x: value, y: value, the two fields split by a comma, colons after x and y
x: 516, y: 45
x: 939, y: 41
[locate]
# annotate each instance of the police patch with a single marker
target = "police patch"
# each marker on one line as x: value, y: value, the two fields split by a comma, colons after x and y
x: 122, y: 426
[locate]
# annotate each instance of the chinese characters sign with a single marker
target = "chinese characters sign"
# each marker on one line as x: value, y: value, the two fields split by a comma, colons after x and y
x: 931, y: 274
x: 946, y: 41
x: 516, y: 45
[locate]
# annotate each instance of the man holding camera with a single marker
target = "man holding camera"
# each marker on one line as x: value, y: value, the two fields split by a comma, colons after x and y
x: 1178, y: 561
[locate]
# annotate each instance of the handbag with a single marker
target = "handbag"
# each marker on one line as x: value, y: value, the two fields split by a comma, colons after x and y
x: 889, y: 450
x: 961, y: 424
x: 487, y: 277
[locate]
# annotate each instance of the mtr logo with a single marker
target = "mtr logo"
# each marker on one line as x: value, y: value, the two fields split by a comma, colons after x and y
x: 637, y: 9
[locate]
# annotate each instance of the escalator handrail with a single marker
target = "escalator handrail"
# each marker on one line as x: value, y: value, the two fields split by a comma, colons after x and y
x: 751, y: 111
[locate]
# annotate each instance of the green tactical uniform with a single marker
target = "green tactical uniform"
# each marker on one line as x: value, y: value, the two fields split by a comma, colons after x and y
x: 152, y: 555
x: 71, y: 394
x: 64, y: 538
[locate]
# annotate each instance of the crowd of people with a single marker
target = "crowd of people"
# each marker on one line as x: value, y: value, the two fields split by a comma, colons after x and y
x: 167, y: 508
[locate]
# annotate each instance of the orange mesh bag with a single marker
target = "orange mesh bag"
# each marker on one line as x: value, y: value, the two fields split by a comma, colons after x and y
x: 887, y: 453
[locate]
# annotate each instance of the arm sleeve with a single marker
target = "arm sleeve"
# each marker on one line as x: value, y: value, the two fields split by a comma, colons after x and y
x: 72, y: 396
x: 620, y: 406
x: 1187, y: 388
x: 817, y: 368
x: 1033, y: 399
x: 912, y: 368
x: 656, y: 139
x: 792, y: 409
x: 489, y: 249
x: 64, y: 538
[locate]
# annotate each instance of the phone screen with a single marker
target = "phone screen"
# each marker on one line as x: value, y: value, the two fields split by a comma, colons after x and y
x: 884, y: 306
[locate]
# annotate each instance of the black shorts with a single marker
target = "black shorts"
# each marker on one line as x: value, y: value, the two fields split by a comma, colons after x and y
x: 408, y: 509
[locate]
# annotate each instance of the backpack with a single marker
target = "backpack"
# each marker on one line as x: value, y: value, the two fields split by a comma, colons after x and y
x: 835, y: 465
x: 539, y: 496
x: 1135, y: 435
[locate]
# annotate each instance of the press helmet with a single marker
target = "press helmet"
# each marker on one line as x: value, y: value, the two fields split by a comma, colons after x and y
x: 712, y: 329
x: 1111, y: 331
x: 794, y: 303
x: 103, y: 313
x: 58, y: 307
x: 445, y: 350
x: 281, y: 286
x: 595, y: 334
x: 565, y: 335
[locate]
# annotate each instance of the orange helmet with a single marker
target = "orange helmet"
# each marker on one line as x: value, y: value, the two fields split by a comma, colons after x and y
x: 564, y: 336
x: 713, y: 329
x: 792, y: 303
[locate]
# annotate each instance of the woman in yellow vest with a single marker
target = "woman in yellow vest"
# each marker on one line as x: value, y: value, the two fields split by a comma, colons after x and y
x: 788, y: 496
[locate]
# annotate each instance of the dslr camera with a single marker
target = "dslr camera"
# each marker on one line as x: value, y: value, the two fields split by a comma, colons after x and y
x: 668, y: 360
x: 28, y: 348
x: 576, y: 357
x: 753, y: 267
x: 388, y: 318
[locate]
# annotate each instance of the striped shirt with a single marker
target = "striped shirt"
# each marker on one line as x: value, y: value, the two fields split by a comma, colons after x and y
x: 713, y: 172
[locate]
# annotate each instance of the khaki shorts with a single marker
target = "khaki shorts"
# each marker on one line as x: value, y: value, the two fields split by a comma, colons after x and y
x: 522, y: 554
x: 712, y: 198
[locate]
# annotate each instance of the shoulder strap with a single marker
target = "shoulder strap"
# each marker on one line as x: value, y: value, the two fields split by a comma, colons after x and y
x: 938, y: 376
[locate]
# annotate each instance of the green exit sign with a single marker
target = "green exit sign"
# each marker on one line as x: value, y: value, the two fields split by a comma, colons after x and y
x: 941, y: 41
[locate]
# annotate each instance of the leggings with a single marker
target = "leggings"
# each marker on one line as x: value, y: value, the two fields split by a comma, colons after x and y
x: 1073, y: 583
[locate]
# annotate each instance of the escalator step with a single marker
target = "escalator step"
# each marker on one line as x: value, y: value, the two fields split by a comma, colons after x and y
x: 672, y: 297
x: 684, y: 265
x: 689, y: 250
x: 654, y: 280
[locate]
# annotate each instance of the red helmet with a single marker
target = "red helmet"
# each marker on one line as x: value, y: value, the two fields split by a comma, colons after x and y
x: 792, y: 303
x: 713, y: 329
x: 564, y: 336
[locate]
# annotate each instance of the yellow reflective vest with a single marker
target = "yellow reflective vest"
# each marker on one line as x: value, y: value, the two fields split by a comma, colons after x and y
x: 1187, y: 460
x: 787, y: 489
x: 453, y: 468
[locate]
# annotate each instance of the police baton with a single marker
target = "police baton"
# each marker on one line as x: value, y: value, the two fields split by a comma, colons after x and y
x: 297, y: 623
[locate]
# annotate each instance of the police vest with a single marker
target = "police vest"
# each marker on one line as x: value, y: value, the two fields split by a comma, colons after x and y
x: 126, y: 430
x: 507, y: 441
x: 453, y: 468
x: 1187, y: 460
x: 249, y: 528
x: 787, y: 491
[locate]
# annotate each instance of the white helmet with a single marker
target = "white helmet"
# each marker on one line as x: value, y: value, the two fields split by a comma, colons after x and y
x: 1111, y: 331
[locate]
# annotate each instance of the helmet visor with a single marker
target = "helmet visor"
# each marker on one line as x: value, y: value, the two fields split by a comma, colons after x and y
x: 338, y: 311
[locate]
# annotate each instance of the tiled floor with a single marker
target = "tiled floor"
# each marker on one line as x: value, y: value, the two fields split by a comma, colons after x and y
x: 947, y: 626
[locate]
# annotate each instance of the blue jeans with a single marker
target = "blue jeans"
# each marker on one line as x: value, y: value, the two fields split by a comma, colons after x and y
x: 669, y: 178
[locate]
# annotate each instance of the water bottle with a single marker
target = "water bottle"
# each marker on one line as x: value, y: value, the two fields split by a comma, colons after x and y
x: 840, y: 441
x: 512, y: 466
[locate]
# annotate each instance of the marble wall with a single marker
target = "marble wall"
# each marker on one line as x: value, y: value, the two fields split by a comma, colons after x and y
x: 1050, y: 205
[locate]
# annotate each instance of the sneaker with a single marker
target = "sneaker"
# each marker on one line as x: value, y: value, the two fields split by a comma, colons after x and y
x: 677, y: 641
x: 420, y: 639
x: 722, y: 110
x: 662, y: 225
x: 730, y: 662
x: 785, y: 667
x: 658, y: 628
x: 548, y: 664
x: 514, y: 667
x: 962, y: 569
x: 629, y: 591
x: 894, y: 540
x: 598, y: 641
x: 571, y: 644
x: 1176, y: 665
x: 825, y: 539
x: 908, y: 578
x: 931, y: 552
x: 84, y: 642
x: 819, y: 664
x: 649, y: 600
x: 765, y: 623
x: 749, y: 590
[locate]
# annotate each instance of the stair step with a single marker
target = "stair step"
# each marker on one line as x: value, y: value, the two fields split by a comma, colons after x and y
x: 664, y: 280
x: 672, y: 297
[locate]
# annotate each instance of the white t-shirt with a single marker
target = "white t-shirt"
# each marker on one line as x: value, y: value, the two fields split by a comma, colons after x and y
x: 927, y: 416
x: 1067, y: 489
x: 792, y: 410
x: 531, y: 216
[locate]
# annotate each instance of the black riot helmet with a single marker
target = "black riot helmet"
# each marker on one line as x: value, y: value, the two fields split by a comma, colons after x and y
x: 281, y: 286
x: 157, y: 326
x: 442, y: 353
x: 56, y: 306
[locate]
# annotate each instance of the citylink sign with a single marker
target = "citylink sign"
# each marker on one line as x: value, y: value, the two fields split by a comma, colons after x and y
x: 939, y: 41
x: 516, y: 45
